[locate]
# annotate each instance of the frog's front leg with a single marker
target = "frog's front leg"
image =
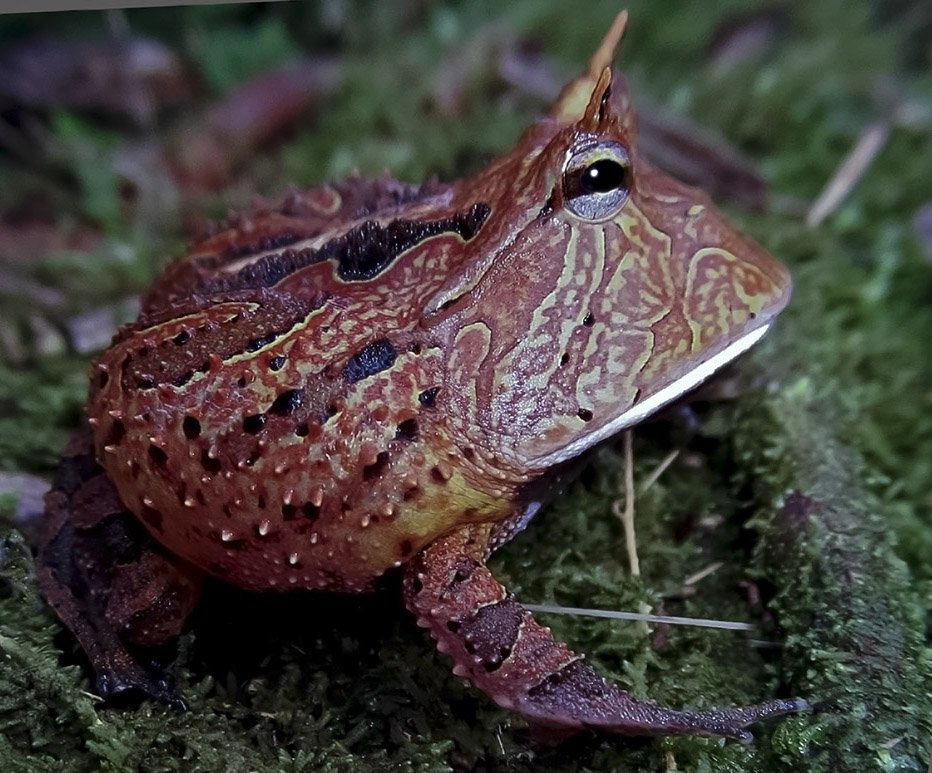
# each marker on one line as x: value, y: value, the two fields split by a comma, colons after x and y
x: 107, y: 580
x: 498, y: 646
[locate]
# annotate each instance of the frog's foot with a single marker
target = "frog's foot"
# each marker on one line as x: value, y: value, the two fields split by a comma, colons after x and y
x: 498, y: 646
x: 120, y: 677
x: 107, y: 580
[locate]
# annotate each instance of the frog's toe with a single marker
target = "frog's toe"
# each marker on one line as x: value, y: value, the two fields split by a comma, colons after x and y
x: 133, y: 685
x: 615, y: 711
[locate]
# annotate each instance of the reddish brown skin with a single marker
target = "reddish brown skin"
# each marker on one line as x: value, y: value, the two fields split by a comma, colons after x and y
x: 373, y: 375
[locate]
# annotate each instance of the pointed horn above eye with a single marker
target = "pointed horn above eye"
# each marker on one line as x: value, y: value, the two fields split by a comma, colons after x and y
x: 605, y: 54
x: 575, y: 101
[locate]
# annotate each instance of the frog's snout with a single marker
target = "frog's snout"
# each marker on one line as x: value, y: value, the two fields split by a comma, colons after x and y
x: 731, y: 290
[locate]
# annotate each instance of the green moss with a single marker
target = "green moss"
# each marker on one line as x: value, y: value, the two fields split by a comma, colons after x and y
x: 44, y: 714
x: 40, y: 406
x: 841, y: 414
x: 854, y: 623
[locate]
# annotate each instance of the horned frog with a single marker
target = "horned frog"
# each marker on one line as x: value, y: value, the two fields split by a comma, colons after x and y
x: 374, y: 375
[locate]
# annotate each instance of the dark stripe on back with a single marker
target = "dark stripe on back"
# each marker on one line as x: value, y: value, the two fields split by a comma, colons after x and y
x: 266, y: 243
x: 360, y: 254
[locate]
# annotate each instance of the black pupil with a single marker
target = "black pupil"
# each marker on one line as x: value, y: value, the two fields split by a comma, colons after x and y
x: 602, y: 176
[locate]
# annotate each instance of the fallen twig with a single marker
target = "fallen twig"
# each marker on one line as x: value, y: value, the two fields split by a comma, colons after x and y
x: 851, y: 169
x: 702, y: 574
x: 659, y: 470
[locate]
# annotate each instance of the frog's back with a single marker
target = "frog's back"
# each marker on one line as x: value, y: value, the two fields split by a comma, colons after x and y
x: 272, y: 416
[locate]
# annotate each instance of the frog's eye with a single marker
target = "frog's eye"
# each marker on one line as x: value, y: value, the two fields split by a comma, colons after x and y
x: 597, y: 181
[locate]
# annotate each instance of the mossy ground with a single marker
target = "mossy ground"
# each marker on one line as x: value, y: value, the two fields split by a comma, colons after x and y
x: 839, y: 411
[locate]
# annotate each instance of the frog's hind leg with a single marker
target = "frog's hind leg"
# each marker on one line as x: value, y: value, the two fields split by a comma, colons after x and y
x: 497, y: 645
x: 107, y: 580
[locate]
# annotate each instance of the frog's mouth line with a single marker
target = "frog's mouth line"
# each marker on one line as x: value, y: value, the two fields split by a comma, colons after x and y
x: 659, y: 399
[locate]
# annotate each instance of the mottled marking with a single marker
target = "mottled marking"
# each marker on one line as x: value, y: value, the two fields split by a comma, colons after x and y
x: 317, y: 310
x: 210, y: 463
x: 407, y: 430
x: 722, y: 292
x: 641, y: 289
x: 490, y: 633
x: 374, y: 470
x: 534, y: 399
x: 225, y: 331
x: 191, y: 427
x: 254, y: 423
x: 371, y: 359
x: 574, y: 688
x: 470, y: 350
x: 115, y: 434
x: 428, y: 397
x: 617, y: 358
x: 287, y: 402
x: 157, y: 455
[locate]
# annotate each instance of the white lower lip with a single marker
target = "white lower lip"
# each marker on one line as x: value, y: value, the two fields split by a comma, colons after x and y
x: 656, y: 401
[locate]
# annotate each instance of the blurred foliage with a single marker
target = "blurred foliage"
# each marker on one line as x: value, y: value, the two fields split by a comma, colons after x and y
x: 228, y: 55
x: 86, y: 149
x: 321, y: 683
